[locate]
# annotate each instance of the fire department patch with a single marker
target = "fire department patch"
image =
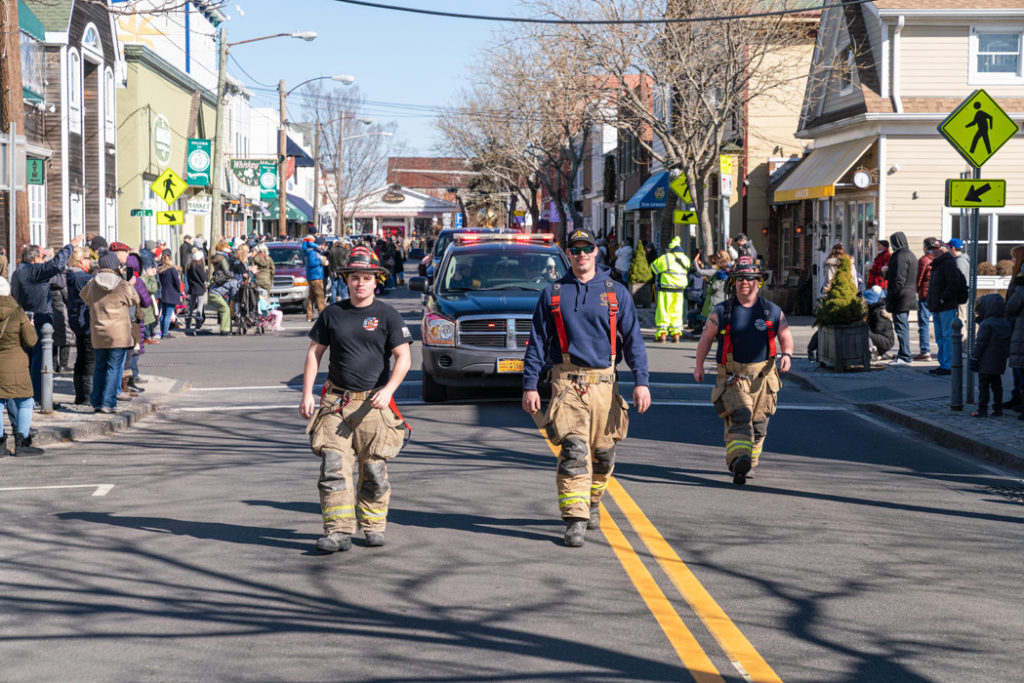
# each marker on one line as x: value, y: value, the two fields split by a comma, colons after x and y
x: 370, y: 324
x: 760, y: 325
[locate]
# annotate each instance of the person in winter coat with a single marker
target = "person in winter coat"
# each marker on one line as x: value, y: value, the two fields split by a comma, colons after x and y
x: 110, y: 299
x: 336, y: 258
x: 1015, y: 314
x: 623, y: 259
x: 17, y: 339
x: 717, y: 278
x: 221, y: 296
x: 835, y: 257
x: 265, y: 268
x: 879, y: 267
x: 991, y: 350
x: 185, y: 250
x: 314, y: 276
x: 924, y: 315
x: 62, y: 337
x: 170, y: 291
x: 79, y: 273
x: 195, y: 275
x: 944, y: 294
x: 902, y: 295
x: 219, y: 260
x: 149, y: 322
x: 881, y: 335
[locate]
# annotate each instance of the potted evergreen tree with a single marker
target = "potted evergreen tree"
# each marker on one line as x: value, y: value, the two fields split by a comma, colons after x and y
x: 640, y: 278
x: 842, y: 323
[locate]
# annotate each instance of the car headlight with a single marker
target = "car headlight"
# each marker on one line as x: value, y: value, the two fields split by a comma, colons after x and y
x: 438, y: 330
x: 300, y: 283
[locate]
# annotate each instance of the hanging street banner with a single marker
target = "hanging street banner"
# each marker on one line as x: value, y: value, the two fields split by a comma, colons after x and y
x: 682, y: 188
x: 247, y: 171
x: 198, y: 159
x: 975, y: 193
x: 34, y: 172
x: 168, y: 186
x: 268, y: 180
x: 685, y: 217
x: 170, y: 217
x: 978, y: 128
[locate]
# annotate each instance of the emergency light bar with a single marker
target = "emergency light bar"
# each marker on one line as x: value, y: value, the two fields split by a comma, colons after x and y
x: 509, y: 237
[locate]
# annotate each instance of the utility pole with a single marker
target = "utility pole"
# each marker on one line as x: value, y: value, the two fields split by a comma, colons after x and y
x: 218, y: 153
x: 12, y: 121
x: 282, y: 163
x: 316, y: 175
x: 337, y: 178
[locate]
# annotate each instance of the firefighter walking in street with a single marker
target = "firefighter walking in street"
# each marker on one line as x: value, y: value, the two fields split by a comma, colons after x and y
x: 576, y: 330
x: 670, y: 277
x: 357, y: 422
x: 746, y: 391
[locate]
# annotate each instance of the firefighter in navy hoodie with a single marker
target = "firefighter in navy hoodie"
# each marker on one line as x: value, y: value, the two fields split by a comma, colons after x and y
x: 582, y: 326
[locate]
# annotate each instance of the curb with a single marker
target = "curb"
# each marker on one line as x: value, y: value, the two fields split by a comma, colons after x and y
x: 946, y: 437
x: 115, y: 423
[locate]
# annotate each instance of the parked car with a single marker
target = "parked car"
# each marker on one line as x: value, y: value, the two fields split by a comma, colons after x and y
x: 290, y: 285
x: 478, y: 310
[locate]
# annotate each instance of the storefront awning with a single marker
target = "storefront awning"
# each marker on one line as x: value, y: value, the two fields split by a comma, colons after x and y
x: 302, y: 159
x: 298, y: 209
x: 651, y: 194
x: 817, y: 174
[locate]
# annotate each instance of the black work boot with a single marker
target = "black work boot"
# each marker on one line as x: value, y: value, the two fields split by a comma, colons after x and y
x: 23, y: 447
x: 739, y: 468
x: 595, y: 516
x: 3, y: 446
x: 575, y: 530
x: 333, y: 542
x: 374, y: 539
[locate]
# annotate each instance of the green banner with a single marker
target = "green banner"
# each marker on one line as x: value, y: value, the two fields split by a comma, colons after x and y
x: 35, y: 172
x: 198, y: 159
x: 268, y: 181
x: 247, y: 171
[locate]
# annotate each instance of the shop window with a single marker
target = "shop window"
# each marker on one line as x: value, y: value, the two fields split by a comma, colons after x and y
x: 37, y: 214
x: 31, y: 64
x: 109, y: 104
x: 997, y: 55
x: 74, y: 93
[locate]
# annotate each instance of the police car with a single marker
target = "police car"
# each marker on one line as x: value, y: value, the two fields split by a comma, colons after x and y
x: 478, y: 309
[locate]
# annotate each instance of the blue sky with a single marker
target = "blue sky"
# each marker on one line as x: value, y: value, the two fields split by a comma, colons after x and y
x: 396, y: 57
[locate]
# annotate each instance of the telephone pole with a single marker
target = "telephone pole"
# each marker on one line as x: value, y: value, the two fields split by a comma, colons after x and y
x: 12, y: 121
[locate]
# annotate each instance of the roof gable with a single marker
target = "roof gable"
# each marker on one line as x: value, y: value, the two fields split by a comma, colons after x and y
x: 55, y: 15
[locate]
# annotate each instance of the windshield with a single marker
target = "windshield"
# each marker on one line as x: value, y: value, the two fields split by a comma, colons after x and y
x: 286, y: 257
x: 492, y: 270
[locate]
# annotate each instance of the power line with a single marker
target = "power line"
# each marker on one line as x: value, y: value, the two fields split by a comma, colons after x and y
x: 249, y: 75
x: 598, y: 22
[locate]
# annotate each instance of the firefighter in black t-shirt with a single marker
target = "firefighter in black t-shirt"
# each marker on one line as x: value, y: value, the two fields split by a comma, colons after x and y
x: 746, y: 391
x: 357, y: 421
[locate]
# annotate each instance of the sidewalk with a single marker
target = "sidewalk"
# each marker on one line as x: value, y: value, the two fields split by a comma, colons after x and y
x: 907, y: 396
x: 69, y: 422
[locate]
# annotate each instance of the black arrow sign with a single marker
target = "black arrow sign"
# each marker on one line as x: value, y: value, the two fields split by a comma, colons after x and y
x: 171, y: 216
x: 687, y: 215
x: 974, y: 194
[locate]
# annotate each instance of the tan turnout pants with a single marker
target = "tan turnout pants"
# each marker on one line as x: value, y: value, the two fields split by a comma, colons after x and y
x: 586, y: 418
x: 746, y: 395
x: 347, y: 430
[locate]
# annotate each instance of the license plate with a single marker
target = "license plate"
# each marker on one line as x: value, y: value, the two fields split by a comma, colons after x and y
x: 275, y: 299
x: 510, y: 365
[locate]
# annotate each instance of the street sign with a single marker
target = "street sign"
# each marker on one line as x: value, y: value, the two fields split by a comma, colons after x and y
x: 168, y: 186
x: 978, y: 128
x: 975, y: 193
x: 170, y: 217
x: 268, y: 181
x: 685, y: 217
x: 34, y: 172
x: 198, y: 159
x: 200, y: 205
x: 458, y: 219
x: 682, y: 188
x: 142, y: 212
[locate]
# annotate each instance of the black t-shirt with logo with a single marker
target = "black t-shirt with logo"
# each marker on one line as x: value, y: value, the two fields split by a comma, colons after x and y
x: 360, y: 342
x: 749, y: 330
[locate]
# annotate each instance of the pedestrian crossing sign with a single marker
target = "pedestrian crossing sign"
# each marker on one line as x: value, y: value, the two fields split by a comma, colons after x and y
x: 978, y: 128
x: 682, y: 188
x: 685, y: 217
x: 168, y: 186
x: 170, y: 217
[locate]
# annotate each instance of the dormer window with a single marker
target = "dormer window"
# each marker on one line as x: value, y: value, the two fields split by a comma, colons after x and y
x: 997, y: 55
x: 91, y: 40
x: 846, y: 69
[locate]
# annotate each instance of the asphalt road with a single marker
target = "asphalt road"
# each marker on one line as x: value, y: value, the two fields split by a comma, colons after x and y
x: 185, y: 552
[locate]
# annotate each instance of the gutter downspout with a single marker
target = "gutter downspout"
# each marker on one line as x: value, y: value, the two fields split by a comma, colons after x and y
x: 896, y: 94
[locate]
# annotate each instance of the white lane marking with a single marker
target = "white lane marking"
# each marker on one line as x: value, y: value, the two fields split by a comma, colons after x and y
x: 206, y: 409
x: 101, y: 489
x: 290, y: 387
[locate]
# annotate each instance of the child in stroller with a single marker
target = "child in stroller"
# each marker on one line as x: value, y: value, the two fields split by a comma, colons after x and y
x: 247, y: 314
x: 270, y: 315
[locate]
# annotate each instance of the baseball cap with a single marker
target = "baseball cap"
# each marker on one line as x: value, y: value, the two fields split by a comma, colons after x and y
x: 119, y: 246
x: 581, y: 235
x: 931, y: 243
x: 955, y: 243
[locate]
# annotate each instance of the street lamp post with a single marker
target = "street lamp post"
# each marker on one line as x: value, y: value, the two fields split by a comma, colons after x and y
x: 222, y: 74
x: 341, y: 160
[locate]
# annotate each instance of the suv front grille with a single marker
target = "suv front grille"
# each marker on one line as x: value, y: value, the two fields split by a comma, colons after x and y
x: 284, y: 281
x: 508, y: 333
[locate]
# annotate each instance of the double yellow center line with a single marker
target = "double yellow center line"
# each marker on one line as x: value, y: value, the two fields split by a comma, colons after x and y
x: 744, y: 658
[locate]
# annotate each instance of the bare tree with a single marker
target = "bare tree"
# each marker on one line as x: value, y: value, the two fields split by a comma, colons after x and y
x: 365, y: 148
x: 705, y: 72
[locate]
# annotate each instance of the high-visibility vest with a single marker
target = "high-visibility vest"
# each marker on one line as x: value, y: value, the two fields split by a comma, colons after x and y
x: 671, y: 269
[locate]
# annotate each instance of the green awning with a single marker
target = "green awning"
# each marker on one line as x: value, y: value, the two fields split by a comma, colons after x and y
x: 298, y: 210
x: 29, y: 22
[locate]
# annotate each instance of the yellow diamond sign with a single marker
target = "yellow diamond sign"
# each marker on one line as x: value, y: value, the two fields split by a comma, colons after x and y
x: 682, y: 188
x: 978, y: 128
x: 168, y: 186
x: 170, y: 217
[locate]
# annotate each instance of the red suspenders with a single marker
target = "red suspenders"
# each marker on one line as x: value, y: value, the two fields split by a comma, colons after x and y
x: 613, y: 315
x: 727, y: 331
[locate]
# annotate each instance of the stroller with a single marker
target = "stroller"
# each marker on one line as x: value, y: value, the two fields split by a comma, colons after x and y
x: 247, y: 309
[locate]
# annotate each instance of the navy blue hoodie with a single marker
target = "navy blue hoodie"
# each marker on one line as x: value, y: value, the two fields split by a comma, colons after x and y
x: 585, y: 314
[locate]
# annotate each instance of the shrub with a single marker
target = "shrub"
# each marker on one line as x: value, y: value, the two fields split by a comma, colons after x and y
x: 841, y: 305
x: 640, y: 270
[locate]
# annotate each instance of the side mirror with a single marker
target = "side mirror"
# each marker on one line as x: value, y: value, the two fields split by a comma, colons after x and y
x: 419, y: 284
